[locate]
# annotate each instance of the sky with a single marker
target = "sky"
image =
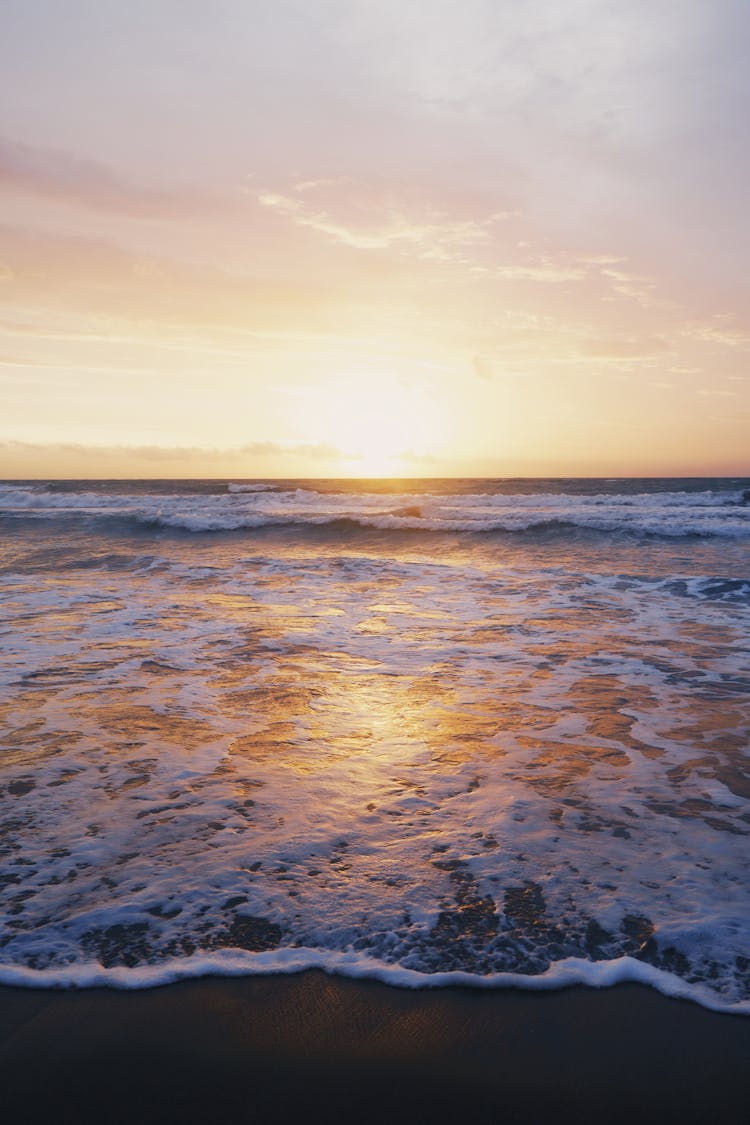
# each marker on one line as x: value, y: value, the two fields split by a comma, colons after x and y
x: 288, y: 238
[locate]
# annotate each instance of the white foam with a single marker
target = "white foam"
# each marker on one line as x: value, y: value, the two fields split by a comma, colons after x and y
x: 251, y: 487
x: 256, y: 505
x: 391, y: 701
x: 568, y: 973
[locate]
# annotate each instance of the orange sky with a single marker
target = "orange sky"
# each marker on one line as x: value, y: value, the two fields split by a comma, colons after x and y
x: 346, y: 238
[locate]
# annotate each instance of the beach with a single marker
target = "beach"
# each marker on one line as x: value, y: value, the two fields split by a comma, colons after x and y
x: 313, y: 1047
x: 314, y: 794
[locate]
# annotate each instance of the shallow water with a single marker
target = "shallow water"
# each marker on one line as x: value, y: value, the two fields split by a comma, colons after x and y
x: 311, y: 735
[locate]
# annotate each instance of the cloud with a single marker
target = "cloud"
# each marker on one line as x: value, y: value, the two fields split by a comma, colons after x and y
x: 320, y: 450
x: 544, y: 271
x: 624, y: 283
x: 623, y: 347
x: 425, y: 233
x: 61, y: 175
x: 100, y: 280
x: 721, y: 332
x: 193, y: 453
x: 325, y: 181
x: 369, y: 225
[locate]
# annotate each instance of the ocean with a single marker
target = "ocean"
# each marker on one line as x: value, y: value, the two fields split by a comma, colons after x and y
x: 487, y: 732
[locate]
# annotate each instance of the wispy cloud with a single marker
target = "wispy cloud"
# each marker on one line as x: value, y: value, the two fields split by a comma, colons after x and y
x: 545, y: 271
x: 64, y: 176
x: 323, y: 182
x: 720, y: 330
x: 320, y: 449
x: 624, y: 283
x: 197, y: 453
x: 364, y: 224
x: 631, y: 347
x: 352, y: 218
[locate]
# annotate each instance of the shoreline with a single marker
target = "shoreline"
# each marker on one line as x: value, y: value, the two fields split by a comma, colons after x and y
x: 313, y: 1046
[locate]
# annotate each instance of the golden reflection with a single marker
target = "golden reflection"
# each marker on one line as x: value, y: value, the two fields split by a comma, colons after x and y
x: 312, y: 711
x: 279, y: 690
x: 608, y: 705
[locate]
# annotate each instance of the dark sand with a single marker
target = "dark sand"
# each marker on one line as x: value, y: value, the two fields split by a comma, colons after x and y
x: 316, y: 1048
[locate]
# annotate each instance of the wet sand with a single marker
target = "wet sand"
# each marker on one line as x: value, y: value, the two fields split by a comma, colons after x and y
x: 311, y: 1047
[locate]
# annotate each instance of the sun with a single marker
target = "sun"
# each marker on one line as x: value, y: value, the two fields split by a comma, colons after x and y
x: 373, y: 432
x: 381, y: 425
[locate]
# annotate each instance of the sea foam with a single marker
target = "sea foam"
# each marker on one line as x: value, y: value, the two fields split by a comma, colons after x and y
x: 491, y: 761
x: 258, y: 505
x: 572, y: 972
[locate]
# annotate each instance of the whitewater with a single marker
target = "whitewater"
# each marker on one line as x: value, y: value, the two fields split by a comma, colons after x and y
x: 481, y: 732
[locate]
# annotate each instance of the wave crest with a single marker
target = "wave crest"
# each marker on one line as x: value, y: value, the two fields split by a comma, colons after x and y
x: 252, y: 506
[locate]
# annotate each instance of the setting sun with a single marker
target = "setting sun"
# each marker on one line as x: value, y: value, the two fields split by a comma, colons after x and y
x: 376, y: 423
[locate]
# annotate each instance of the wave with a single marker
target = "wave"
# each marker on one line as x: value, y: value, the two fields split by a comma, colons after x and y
x: 207, y: 523
x: 251, y: 488
x: 396, y: 522
x: 567, y: 973
x: 250, y: 507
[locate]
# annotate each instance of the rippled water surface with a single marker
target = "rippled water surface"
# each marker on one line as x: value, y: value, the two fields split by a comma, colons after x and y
x: 419, y: 745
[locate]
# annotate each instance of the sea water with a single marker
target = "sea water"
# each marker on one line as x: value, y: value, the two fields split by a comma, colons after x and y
x: 479, y: 731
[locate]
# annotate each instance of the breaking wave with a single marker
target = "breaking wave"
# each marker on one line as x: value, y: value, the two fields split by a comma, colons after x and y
x: 252, y: 506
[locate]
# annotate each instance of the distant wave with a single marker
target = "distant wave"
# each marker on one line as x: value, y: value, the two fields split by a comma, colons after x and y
x: 203, y: 524
x: 248, y: 507
x: 251, y: 488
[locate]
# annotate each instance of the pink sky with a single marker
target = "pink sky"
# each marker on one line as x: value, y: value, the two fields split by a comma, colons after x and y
x: 336, y: 237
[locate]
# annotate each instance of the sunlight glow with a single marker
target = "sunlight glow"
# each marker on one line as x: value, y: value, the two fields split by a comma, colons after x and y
x: 381, y: 425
